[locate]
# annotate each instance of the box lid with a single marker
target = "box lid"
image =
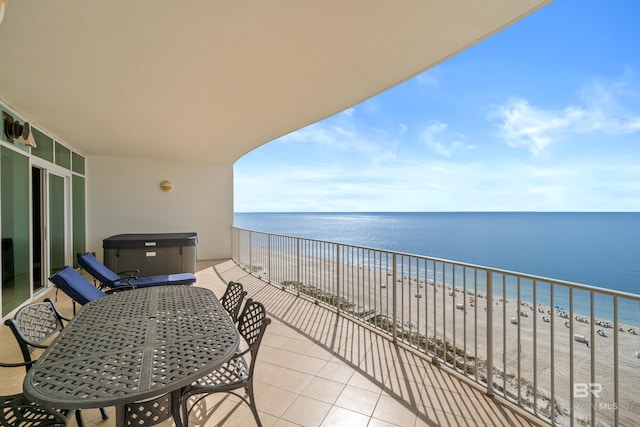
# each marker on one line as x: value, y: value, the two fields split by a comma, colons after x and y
x: 150, y: 240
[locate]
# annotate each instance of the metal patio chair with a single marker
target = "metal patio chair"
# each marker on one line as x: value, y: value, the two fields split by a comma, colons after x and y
x: 149, y: 412
x: 236, y: 373
x: 18, y: 411
x: 35, y: 326
x: 232, y: 299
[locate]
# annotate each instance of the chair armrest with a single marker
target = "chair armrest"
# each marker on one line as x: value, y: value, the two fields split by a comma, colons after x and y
x: 120, y: 288
x: 115, y: 283
x: 129, y: 273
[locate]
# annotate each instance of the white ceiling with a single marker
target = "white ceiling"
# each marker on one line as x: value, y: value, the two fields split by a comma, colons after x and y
x: 211, y: 80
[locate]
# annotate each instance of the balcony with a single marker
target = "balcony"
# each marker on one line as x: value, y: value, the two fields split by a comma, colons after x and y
x: 317, y: 367
x: 563, y: 352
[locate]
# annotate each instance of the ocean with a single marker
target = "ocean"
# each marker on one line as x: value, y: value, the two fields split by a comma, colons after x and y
x: 598, y: 249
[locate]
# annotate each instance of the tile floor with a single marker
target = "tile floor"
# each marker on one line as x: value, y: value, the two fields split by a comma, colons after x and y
x: 319, y: 369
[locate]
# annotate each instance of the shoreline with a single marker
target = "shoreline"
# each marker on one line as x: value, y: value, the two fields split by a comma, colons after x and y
x: 628, y: 310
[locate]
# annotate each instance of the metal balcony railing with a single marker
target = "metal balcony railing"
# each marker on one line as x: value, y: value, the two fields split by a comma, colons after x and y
x: 566, y: 352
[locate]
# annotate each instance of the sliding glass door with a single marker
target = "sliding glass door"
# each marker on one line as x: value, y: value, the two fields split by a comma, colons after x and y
x: 49, y: 224
x: 57, y: 223
x: 14, y: 228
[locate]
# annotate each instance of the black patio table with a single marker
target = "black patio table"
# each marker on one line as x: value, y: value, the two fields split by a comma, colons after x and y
x: 132, y: 346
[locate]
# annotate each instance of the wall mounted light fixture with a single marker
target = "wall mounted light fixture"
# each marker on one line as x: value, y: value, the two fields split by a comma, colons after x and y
x: 166, y: 186
x: 14, y: 130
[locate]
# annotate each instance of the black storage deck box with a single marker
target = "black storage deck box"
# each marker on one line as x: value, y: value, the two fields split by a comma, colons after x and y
x: 152, y: 253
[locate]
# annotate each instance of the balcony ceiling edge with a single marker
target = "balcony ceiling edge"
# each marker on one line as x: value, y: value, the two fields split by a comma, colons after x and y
x: 212, y: 80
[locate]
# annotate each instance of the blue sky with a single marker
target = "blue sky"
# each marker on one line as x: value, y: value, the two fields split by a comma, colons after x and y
x: 544, y: 116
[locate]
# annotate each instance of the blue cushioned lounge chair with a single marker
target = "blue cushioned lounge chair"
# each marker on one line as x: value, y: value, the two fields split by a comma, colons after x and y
x: 77, y: 287
x: 109, y: 279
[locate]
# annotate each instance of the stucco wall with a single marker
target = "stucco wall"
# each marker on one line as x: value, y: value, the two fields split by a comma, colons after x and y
x: 124, y: 196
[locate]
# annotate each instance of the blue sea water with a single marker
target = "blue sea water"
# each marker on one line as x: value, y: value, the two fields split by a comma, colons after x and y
x: 599, y: 249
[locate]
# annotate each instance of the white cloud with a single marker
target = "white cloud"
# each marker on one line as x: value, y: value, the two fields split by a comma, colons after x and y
x: 603, y: 109
x: 344, y: 139
x: 535, y: 128
x: 612, y: 107
x: 438, y: 138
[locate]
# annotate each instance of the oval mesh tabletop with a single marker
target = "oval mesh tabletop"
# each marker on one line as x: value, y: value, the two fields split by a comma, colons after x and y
x: 133, y: 345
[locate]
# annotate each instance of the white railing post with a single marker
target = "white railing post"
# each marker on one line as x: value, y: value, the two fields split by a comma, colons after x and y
x: 572, y: 408
x: 251, y: 252
x: 489, y: 333
x: 394, y: 301
x: 298, y: 266
x: 552, y: 350
x: 338, y: 279
x: 592, y: 346
x: 269, y: 256
x: 616, y: 362
x: 535, y: 348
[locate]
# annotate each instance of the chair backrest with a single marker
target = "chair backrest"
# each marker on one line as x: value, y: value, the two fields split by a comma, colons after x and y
x: 18, y: 411
x: 34, y: 325
x: 232, y: 299
x: 77, y: 287
x: 252, y: 325
x: 97, y: 269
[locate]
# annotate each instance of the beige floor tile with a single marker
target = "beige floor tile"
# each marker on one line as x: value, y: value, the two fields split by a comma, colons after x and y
x: 409, y: 371
x: 340, y: 417
x: 319, y: 352
x: 402, y: 388
x: 351, y: 351
x: 336, y: 372
x: 374, y: 422
x: 428, y: 417
x: 365, y: 381
x: 274, y: 400
x: 308, y: 365
x: 278, y: 356
x: 296, y: 345
x: 394, y: 411
x: 470, y: 406
x: 219, y: 409
x: 377, y: 369
x: 324, y: 390
x: 436, y: 399
x: 306, y: 411
x: 274, y: 340
x: 358, y: 400
x: 293, y: 381
x: 268, y: 420
x: 284, y: 423
x: 11, y: 377
x: 282, y: 330
x: 267, y: 372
